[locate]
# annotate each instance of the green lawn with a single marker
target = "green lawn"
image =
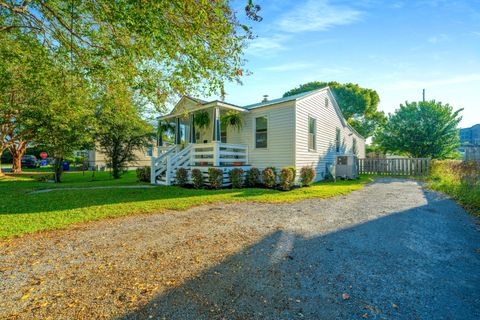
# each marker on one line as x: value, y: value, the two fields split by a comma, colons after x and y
x: 22, y: 211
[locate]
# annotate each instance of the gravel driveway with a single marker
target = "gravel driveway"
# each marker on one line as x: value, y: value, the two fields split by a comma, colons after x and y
x: 389, y: 251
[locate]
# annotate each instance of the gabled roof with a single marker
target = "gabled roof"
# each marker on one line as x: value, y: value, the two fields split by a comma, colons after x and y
x: 283, y: 99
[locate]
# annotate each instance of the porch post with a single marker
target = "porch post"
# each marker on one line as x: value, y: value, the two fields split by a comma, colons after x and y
x: 193, y: 139
x: 216, y: 124
x: 178, y: 138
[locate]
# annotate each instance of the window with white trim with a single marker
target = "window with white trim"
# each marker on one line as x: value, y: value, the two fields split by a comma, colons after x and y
x: 261, y: 132
x: 354, y: 146
x: 337, y: 140
x: 312, y: 133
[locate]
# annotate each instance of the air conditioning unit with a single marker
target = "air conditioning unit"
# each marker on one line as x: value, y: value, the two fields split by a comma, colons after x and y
x: 346, y: 167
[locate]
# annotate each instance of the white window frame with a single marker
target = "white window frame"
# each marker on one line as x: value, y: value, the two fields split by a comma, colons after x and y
x: 255, y: 131
x: 314, y: 149
x: 338, y: 142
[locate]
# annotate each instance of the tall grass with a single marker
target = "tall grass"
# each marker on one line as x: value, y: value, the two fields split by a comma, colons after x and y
x: 459, y: 179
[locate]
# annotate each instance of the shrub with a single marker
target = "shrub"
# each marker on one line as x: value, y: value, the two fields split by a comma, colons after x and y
x: 215, y: 178
x: 294, y: 172
x: 143, y: 174
x: 181, y: 176
x: 252, y: 177
x: 236, y: 177
x: 286, y: 178
x: 307, y: 175
x: 197, y: 178
x: 269, y: 177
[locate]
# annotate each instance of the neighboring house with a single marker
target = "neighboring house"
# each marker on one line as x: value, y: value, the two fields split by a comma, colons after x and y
x: 307, y: 129
x: 470, y: 143
x: 97, y: 159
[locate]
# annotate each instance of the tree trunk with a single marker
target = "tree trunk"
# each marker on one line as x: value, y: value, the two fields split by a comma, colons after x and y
x: 17, y: 151
x: 1, y: 172
x: 115, y: 170
x: 58, y: 169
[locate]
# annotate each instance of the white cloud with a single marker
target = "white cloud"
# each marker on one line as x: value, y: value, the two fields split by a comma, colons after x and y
x: 439, y: 38
x: 317, y: 15
x: 416, y: 84
x: 290, y: 66
x: 266, y: 45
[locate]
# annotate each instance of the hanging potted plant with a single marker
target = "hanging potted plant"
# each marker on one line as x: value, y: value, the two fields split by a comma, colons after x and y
x: 202, y: 120
x: 232, y: 119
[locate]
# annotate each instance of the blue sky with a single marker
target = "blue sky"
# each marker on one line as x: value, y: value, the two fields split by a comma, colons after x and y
x: 395, y: 47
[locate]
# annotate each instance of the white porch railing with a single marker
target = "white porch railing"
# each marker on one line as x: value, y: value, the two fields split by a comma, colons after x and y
x: 219, y: 154
x: 213, y: 154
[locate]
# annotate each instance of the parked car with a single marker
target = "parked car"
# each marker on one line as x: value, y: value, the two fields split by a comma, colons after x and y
x: 29, y: 161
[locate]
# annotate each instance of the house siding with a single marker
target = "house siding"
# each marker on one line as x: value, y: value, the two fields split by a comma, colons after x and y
x: 280, y: 134
x: 328, y: 120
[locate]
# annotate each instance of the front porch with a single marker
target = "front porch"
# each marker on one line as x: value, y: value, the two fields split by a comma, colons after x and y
x: 197, y: 144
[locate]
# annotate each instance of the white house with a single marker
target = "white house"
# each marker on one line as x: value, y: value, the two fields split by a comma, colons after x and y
x: 306, y: 129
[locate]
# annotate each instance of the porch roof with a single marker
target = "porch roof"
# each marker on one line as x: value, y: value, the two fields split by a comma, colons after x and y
x: 203, y: 105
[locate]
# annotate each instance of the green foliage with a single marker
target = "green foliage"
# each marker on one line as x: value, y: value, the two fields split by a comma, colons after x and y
x: 165, y: 48
x: 121, y: 132
x: 307, y: 175
x: 61, y: 209
x: 232, y: 119
x: 143, y: 174
x: 181, y: 176
x: 459, y: 179
x: 252, y: 177
x: 294, y: 171
x: 202, y: 120
x: 286, y: 178
x: 269, y: 177
x: 197, y: 178
x: 359, y: 105
x: 236, y: 177
x: 422, y: 130
x: 215, y: 178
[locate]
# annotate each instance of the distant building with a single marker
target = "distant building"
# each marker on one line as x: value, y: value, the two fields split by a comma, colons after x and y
x: 470, y: 143
x: 470, y: 136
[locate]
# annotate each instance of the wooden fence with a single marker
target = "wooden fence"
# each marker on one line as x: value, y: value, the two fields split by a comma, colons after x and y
x: 395, y: 166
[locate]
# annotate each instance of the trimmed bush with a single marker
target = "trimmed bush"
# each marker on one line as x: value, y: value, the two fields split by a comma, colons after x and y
x: 286, y: 178
x: 197, y: 178
x: 143, y: 174
x: 294, y: 172
x: 215, y: 178
x: 269, y: 177
x: 236, y: 177
x: 307, y: 175
x: 252, y: 177
x: 181, y: 176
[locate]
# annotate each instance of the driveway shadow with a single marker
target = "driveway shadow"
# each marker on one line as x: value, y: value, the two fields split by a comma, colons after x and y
x: 416, y: 264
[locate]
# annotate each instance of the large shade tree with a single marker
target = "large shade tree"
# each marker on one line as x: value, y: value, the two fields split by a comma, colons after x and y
x: 359, y: 105
x: 421, y: 129
x: 167, y: 47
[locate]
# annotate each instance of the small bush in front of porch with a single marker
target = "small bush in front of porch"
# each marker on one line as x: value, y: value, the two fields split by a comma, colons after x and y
x: 181, y: 176
x: 307, y: 175
x: 215, y: 178
x: 143, y: 174
x: 286, y: 178
x: 269, y: 177
x: 197, y: 178
x: 252, y: 177
x: 236, y: 177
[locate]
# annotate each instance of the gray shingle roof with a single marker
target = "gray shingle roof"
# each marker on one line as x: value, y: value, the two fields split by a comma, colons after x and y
x: 279, y: 100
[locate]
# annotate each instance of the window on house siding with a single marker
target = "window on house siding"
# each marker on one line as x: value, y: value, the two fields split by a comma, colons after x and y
x: 223, y: 135
x: 354, y: 146
x: 326, y: 102
x: 149, y: 151
x: 261, y: 134
x: 337, y: 140
x: 312, y: 133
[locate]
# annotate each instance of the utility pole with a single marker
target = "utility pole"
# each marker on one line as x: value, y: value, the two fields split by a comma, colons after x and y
x: 423, y: 94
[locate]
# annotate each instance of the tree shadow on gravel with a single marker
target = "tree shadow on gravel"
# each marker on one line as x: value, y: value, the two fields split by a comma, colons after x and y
x: 415, y: 264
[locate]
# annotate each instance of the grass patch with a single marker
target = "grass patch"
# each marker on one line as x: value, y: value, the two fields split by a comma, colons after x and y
x: 448, y: 176
x: 22, y: 211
